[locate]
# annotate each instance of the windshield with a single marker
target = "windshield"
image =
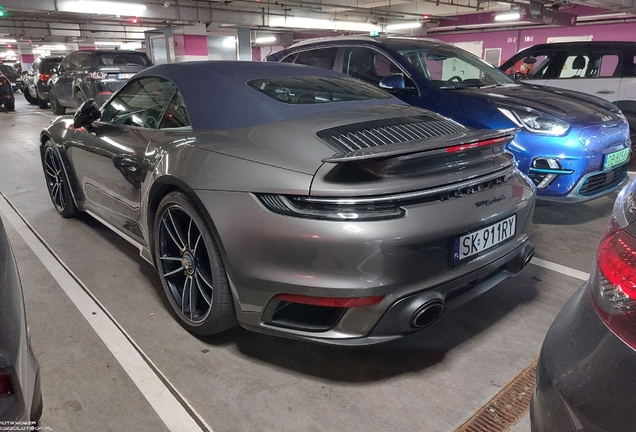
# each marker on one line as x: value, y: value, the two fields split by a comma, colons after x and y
x: 448, y: 67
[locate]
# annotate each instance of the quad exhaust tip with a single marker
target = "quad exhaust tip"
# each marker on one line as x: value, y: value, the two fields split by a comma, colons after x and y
x: 427, y: 314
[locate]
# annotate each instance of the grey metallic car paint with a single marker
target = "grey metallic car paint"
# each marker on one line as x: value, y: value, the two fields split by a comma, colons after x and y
x: 15, y: 350
x: 267, y: 253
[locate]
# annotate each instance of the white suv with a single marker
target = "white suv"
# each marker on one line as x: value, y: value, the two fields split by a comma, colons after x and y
x: 603, y: 69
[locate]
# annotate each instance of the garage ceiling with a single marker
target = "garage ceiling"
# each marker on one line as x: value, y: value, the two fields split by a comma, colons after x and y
x: 53, y: 20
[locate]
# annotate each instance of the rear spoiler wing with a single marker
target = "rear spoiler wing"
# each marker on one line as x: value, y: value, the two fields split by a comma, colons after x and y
x: 442, y: 144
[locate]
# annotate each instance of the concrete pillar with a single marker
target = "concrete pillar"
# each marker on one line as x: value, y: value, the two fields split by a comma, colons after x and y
x: 25, y: 55
x: 191, y: 43
x: 244, y: 44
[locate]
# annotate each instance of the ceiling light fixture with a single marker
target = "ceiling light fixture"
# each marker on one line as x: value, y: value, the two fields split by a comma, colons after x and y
x: 103, y: 7
x: 108, y: 43
x: 321, y: 24
x: 265, y: 39
x: 7, y: 41
x: 404, y: 26
x: 508, y: 16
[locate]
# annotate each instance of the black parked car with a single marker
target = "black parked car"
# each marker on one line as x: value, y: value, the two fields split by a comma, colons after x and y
x: 36, y: 85
x: 95, y: 75
x: 586, y: 368
x: 20, y: 397
x: 14, y: 76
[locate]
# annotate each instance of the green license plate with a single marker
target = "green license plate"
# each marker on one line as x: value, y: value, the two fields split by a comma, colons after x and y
x: 616, y: 158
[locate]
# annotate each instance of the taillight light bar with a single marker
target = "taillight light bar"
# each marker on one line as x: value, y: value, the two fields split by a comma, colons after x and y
x: 330, y: 301
x: 613, y: 284
x: 43, y: 77
x: 483, y: 143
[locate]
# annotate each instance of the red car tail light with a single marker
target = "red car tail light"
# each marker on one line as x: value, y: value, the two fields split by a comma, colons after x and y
x: 330, y: 301
x: 43, y: 77
x: 6, y: 387
x: 613, y: 284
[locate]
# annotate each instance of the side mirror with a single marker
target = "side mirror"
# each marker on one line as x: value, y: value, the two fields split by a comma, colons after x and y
x: 395, y: 83
x: 86, y: 114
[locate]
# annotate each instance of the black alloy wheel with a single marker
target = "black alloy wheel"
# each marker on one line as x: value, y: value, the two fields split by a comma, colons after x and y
x: 56, y: 182
x: 55, y: 104
x: 191, y: 268
x: 79, y: 98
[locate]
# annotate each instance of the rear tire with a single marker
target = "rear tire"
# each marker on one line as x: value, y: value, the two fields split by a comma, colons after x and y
x: 55, y: 104
x: 190, y: 267
x: 30, y: 99
x: 57, y: 183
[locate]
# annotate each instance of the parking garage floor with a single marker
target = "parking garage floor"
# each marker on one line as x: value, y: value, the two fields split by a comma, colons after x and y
x: 240, y: 381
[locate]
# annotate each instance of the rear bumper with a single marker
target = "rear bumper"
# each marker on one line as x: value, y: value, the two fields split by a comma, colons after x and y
x: 585, y: 375
x: 408, y: 261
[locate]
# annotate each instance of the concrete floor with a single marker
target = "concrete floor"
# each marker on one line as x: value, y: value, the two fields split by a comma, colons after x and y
x: 241, y: 381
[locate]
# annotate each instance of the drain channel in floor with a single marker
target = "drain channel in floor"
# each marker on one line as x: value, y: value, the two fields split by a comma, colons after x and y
x: 505, y: 410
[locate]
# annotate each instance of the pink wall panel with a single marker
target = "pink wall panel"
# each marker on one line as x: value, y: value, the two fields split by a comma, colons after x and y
x: 196, y: 45
x: 499, y: 39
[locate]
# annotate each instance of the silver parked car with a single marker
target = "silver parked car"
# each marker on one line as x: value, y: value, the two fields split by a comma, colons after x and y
x: 20, y: 397
x: 294, y: 200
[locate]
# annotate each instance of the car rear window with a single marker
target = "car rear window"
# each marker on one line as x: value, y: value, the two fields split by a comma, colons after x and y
x: 48, y: 65
x: 313, y: 90
x: 122, y: 59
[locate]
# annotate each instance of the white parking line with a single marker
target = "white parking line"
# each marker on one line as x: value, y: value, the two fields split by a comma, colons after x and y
x: 560, y: 268
x: 173, y: 409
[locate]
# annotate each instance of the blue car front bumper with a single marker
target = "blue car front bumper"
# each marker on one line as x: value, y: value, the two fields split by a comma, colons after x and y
x: 572, y: 168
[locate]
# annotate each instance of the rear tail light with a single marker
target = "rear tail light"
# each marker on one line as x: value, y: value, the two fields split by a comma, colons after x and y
x: 43, y: 77
x: 614, y: 282
x: 330, y: 301
x: 335, y: 210
x: 6, y: 386
x: 98, y: 75
x: 488, y: 142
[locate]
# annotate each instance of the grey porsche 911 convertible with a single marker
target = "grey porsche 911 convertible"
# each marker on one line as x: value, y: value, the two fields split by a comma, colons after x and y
x: 293, y: 200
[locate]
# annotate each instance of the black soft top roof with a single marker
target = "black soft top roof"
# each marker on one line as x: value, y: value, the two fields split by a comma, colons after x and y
x: 217, y: 97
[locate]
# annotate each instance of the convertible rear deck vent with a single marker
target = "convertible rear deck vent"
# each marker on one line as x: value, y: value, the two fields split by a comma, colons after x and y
x: 370, y: 134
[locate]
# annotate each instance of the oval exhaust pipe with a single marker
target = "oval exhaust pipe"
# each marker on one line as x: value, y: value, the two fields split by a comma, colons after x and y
x: 427, y: 314
x: 528, y: 258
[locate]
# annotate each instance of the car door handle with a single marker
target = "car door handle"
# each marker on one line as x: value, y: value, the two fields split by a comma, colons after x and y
x: 605, y: 92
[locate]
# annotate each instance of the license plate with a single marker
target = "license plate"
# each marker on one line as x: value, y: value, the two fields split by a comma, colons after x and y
x: 125, y: 76
x: 478, y: 241
x: 616, y: 158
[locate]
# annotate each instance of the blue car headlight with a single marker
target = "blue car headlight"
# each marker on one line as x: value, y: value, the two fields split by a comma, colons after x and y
x: 536, y: 121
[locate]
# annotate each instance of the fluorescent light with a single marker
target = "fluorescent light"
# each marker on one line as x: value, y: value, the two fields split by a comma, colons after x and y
x: 130, y: 46
x: 404, y: 26
x: 265, y: 39
x: 103, y: 7
x: 53, y: 47
x: 7, y: 41
x: 229, y: 42
x: 108, y: 43
x: 322, y: 24
x: 508, y: 16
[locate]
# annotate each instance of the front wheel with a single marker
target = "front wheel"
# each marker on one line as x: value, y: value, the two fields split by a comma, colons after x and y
x: 79, y: 98
x: 55, y: 104
x: 56, y: 182
x: 191, y: 268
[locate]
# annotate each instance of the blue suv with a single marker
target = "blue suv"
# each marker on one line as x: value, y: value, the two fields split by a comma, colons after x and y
x: 573, y: 146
